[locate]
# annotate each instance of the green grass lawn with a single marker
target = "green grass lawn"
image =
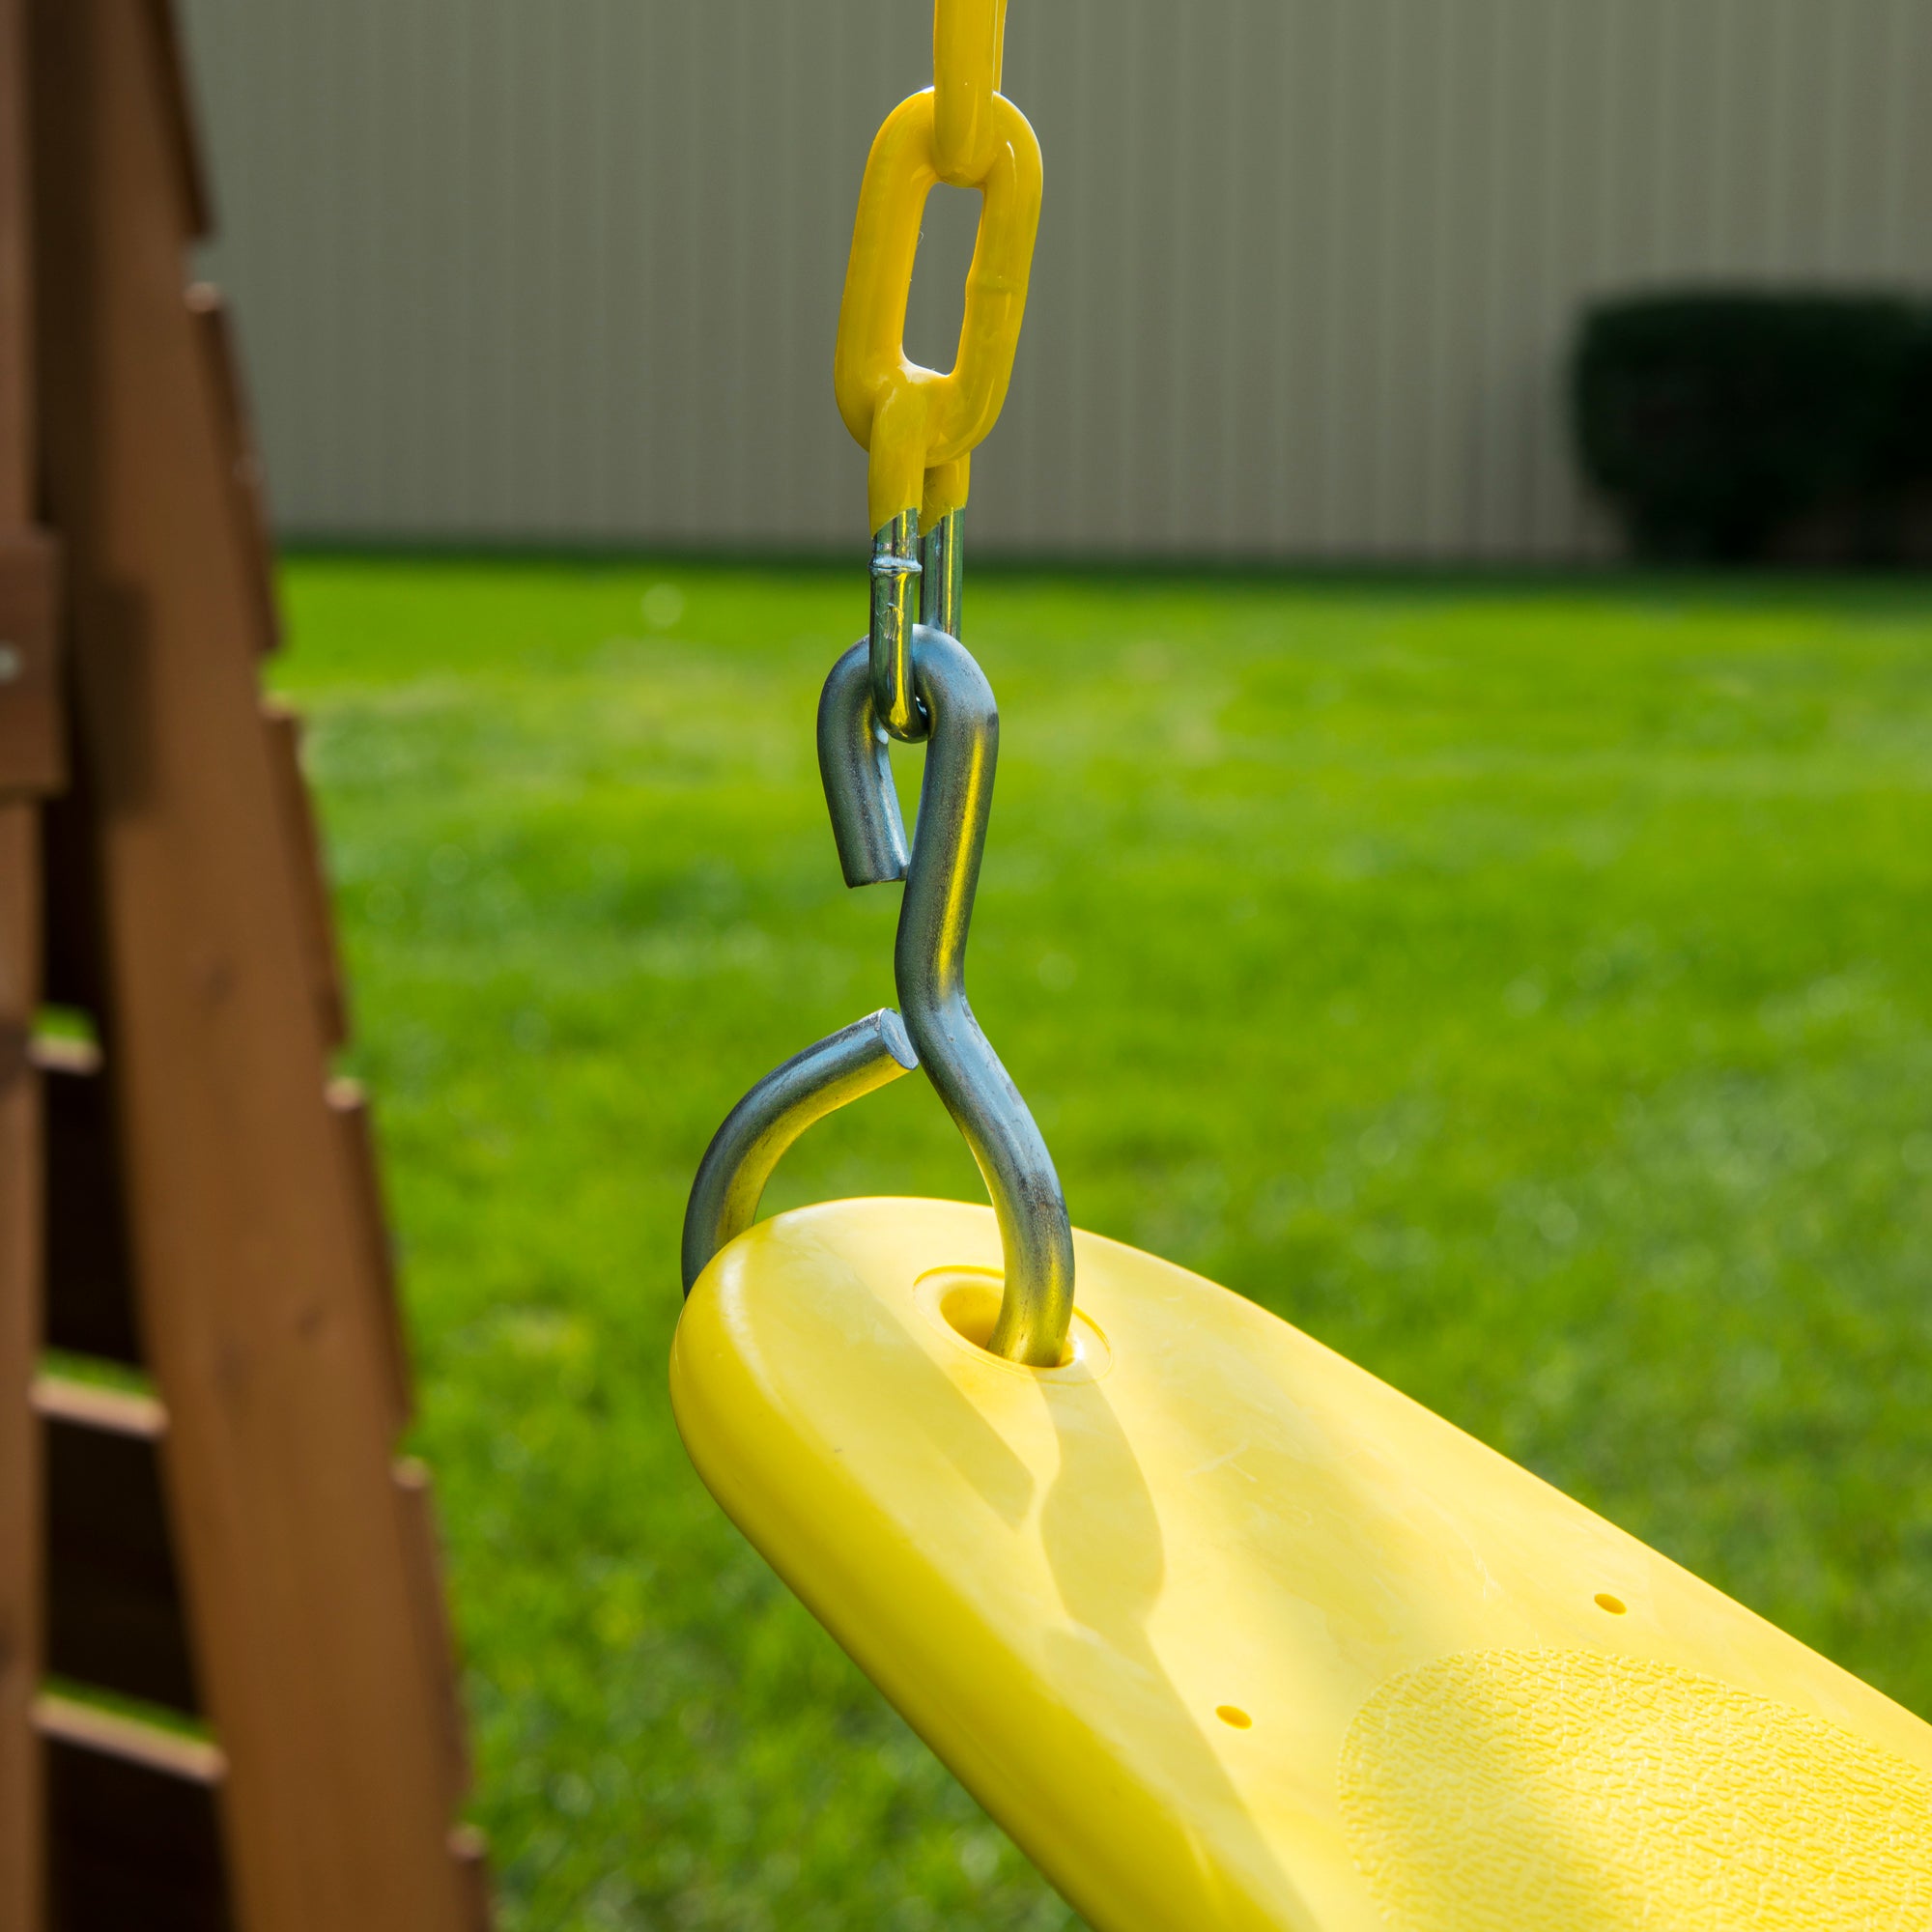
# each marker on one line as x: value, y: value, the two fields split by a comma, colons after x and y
x: 1523, y: 990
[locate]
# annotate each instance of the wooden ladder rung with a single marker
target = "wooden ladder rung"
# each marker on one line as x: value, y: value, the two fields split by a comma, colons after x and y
x: 133, y: 1824
x: 89, y: 1301
x: 114, y: 1615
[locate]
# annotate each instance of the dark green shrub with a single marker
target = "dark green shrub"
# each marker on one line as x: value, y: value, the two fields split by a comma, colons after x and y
x: 1912, y: 451
x: 1718, y: 424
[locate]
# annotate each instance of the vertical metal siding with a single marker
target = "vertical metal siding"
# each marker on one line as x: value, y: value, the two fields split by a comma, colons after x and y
x: 1306, y: 278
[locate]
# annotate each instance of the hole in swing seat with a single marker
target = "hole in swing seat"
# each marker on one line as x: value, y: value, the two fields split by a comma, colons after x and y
x: 965, y: 1301
x: 1614, y: 1604
x: 1234, y: 1716
x: 971, y: 1308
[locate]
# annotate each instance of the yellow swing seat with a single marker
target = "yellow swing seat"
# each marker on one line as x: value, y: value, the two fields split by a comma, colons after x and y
x: 1226, y: 1633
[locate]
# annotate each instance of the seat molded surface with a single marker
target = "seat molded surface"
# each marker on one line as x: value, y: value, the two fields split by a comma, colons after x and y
x: 1227, y: 1634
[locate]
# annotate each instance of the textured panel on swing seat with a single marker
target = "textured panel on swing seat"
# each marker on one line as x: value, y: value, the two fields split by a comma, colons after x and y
x: 1227, y: 1634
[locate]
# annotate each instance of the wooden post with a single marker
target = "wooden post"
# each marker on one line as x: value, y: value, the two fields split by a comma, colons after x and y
x: 21, y: 1806
x: 16, y: 379
x: 20, y: 1827
x: 238, y: 1545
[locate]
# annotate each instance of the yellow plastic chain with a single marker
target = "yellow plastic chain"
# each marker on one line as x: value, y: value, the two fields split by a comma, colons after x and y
x: 916, y: 424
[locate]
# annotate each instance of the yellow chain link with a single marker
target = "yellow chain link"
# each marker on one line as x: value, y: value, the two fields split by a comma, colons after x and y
x: 918, y: 425
x: 969, y: 39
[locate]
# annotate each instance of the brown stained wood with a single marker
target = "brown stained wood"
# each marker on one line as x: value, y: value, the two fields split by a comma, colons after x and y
x: 470, y: 1852
x: 250, y: 492
x: 89, y: 1276
x: 179, y: 141
x: 416, y: 1500
x: 71, y: 876
x: 356, y: 1128
x: 114, y: 1615
x: 33, y: 741
x: 22, y: 759
x: 306, y: 865
x: 16, y: 307
x: 135, y: 1825
x: 250, y: 1271
x: 20, y: 1832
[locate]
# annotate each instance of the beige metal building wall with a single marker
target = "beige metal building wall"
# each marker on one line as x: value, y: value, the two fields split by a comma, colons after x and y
x: 570, y: 268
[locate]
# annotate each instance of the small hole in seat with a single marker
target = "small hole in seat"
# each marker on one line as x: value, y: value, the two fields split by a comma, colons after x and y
x: 1234, y: 1716
x: 1614, y: 1604
x: 971, y: 1308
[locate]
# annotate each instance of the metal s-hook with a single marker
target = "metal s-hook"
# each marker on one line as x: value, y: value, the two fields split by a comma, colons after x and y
x: 929, y: 958
x: 857, y: 1060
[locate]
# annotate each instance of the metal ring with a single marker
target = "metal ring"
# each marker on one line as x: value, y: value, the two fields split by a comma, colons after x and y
x: 942, y: 581
x: 896, y: 571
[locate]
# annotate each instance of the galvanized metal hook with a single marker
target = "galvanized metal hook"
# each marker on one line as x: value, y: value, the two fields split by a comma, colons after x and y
x: 857, y: 1060
x: 940, y: 1032
x: 929, y: 957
